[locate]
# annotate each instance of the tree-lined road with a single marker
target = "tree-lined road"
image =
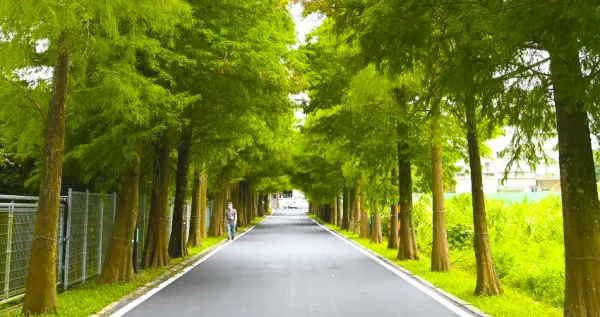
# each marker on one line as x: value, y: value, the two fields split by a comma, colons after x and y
x: 289, y: 266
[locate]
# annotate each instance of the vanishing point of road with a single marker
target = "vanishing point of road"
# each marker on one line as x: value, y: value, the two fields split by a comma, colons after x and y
x: 289, y: 266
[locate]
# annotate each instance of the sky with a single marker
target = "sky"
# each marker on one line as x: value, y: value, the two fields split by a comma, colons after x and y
x: 303, y: 27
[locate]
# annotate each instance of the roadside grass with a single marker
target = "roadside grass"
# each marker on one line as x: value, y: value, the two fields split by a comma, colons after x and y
x: 88, y: 298
x: 461, y: 284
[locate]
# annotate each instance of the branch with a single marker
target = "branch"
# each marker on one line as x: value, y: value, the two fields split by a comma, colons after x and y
x: 533, y: 46
x: 36, y: 105
x: 520, y: 69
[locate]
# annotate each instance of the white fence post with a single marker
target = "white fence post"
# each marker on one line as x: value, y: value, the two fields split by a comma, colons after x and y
x: 11, y: 211
x: 85, y: 235
x: 100, y: 231
x: 68, y: 239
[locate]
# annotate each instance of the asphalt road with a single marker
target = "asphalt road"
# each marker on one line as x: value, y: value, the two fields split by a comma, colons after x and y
x: 289, y: 266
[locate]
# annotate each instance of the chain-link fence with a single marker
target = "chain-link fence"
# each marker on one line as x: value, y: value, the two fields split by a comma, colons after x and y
x: 86, y: 227
x: 17, y: 222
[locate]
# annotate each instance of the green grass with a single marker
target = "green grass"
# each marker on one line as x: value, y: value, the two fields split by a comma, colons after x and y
x: 461, y: 284
x: 89, y: 298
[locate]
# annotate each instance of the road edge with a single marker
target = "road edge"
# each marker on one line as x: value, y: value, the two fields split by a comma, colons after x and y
x: 451, y: 298
x: 128, y: 302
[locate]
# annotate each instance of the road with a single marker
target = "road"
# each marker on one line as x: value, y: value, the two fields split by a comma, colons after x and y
x: 288, y: 266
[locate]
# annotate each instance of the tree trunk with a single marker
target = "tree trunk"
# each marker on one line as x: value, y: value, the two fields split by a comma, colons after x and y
x: 248, y: 206
x: 364, y: 217
x: 407, y: 249
x: 393, y: 232
x: 338, y: 211
x: 487, y: 279
x: 203, y: 202
x: 243, y: 201
x: 346, y: 212
x: 581, y: 208
x: 40, y: 292
x: 376, y: 226
x: 334, y: 213
x: 261, y: 206
x: 354, y: 210
x: 216, y: 227
x: 177, y: 243
x: 118, y: 263
x: 440, y: 261
x: 198, y: 217
x: 156, y: 247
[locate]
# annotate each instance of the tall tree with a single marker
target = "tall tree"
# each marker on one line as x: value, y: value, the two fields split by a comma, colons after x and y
x: 197, y: 218
x: 156, y: 253
x: 177, y: 242
x: 118, y: 262
x: 376, y: 227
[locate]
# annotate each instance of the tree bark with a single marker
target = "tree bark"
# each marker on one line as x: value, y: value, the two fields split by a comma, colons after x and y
x: 376, y: 226
x: 393, y: 232
x: 156, y: 247
x: 581, y: 208
x: 177, y: 242
x: 243, y: 201
x: 487, y: 279
x: 346, y: 212
x: 364, y: 217
x: 118, y: 262
x: 407, y: 249
x: 334, y: 212
x: 440, y: 261
x: 40, y: 291
x: 198, y: 217
x: 338, y: 211
x: 216, y: 227
x: 354, y: 214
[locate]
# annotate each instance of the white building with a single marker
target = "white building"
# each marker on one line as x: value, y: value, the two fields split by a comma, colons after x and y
x: 527, y: 177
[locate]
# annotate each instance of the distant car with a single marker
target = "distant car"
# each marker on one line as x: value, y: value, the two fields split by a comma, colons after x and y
x: 293, y: 205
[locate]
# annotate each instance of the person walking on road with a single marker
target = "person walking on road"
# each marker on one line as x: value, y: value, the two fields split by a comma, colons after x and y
x: 230, y: 221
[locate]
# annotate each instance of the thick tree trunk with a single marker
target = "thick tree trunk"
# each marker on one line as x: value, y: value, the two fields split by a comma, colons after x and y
x: 216, y: 226
x: 310, y: 208
x: 393, y: 232
x: 261, y: 205
x: 334, y: 212
x: 581, y: 208
x: 364, y: 216
x: 203, y: 202
x: 243, y: 201
x: 118, y: 262
x: 248, y: 209
x: 156, y: 247
x: 376, y: 226
x: 440, y: 261
x: 40, y: 292
x: 198, y: 217
x: 487, y: 279
x: 177, y: 243
x: 346, y: 212
x: 407, y: 249
x: 338, y: 210
x: 354, y: 210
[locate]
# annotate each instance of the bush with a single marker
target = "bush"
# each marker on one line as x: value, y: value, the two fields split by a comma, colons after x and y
x: 526, y: 241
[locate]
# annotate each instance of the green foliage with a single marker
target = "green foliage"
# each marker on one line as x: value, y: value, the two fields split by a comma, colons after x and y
x: 526, y: 240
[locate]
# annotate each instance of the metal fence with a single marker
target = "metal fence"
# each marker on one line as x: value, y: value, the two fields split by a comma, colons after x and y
x: 17, y: 222
x: 86, y: 227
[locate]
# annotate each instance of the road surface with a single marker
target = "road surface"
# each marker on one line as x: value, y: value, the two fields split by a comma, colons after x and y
x: 288, y: 266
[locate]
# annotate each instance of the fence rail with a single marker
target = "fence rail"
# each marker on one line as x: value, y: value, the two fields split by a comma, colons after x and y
x: 85, y: 222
